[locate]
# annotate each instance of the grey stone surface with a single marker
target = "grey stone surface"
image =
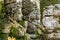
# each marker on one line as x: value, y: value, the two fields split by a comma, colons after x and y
x: 49, y: 10
x: 51, y: 22
x: 57, y: 5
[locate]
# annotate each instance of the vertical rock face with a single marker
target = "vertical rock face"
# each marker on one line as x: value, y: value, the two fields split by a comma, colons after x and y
x: 10, y: 9
x: 19, y: 5
x: 31, y: 12
x: 50, y: 21
x: 13, y: 10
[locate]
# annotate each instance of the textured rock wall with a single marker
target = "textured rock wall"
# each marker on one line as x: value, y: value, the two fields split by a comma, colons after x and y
x: 26, y: 12
x: 51, y: 22
x: 31, y: 12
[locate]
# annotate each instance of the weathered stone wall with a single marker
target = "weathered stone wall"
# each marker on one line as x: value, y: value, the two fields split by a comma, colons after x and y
x: 31, y: 12
x: 18, y: 11
x: 28, y: 13
x: 51, y: 22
